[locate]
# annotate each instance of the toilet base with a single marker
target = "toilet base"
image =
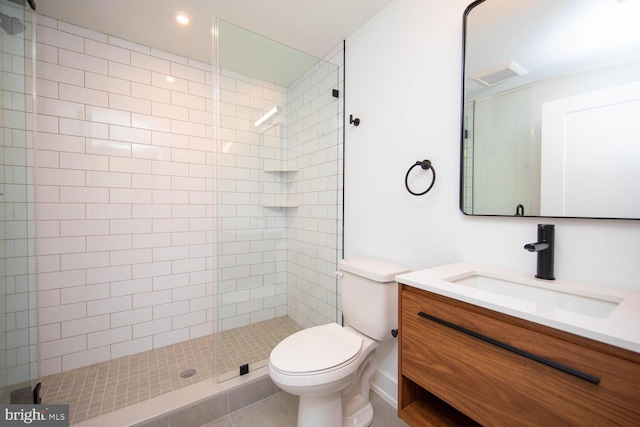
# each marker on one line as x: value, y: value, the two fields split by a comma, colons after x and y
x: 320, y: 411
x: 323, y: 411
x: 362, y: 418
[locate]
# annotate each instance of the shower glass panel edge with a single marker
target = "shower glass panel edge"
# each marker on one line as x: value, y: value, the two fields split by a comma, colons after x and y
x: 18, y: 338
x: 215, y: 96
x: 278, y: 194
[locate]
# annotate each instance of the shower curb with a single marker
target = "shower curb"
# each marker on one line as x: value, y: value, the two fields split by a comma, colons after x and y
x: 219, y: 405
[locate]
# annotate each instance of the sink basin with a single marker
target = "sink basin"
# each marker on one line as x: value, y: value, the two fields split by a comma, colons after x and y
x: 547, y: 297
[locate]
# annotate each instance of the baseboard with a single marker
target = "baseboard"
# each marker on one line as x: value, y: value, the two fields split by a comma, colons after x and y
x: 386, y: 387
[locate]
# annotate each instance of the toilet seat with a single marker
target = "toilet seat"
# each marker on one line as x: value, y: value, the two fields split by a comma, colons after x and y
x: 316, y: 350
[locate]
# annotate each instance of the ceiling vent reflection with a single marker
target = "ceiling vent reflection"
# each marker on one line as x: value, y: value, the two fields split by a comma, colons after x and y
x: 499, y: 73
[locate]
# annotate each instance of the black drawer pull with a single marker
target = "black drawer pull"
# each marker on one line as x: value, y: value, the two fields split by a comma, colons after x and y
x: 551, y: 363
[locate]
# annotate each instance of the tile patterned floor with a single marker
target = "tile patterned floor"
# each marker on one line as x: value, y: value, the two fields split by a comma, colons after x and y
x: 104, y: 387
x: 281, y: 410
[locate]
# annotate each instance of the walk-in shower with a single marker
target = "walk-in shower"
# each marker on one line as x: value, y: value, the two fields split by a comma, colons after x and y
x: 177, y: 240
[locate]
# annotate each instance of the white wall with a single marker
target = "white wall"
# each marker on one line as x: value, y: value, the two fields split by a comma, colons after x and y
x: 402, y: 80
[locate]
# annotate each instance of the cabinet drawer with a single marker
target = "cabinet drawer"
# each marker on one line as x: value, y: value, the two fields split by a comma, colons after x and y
x: 496, y: 386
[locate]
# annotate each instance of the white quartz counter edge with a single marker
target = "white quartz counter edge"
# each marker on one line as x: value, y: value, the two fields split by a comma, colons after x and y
x: 621, y: 328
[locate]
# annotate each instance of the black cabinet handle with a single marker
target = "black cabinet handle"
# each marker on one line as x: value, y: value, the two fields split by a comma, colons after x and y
x: 540, y: 359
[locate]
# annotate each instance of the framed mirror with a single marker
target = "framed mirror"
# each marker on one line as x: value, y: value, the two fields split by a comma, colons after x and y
x: 551, y: 98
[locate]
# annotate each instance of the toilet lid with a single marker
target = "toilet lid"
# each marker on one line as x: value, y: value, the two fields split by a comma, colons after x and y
x: 315, y: 349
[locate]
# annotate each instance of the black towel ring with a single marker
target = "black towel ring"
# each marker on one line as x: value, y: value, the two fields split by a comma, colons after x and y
x: 425, y: 165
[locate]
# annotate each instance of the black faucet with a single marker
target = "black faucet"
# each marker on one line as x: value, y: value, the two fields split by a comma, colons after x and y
x: 544, y: 248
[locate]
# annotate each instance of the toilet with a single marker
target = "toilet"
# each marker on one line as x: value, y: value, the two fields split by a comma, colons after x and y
x: 330, y: 366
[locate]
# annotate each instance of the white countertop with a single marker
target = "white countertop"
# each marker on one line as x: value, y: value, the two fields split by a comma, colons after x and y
x: 620, y: 328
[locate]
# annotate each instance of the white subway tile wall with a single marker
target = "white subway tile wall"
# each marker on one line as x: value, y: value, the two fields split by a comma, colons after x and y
x: 280, y: 187
x: 252, y: 282
x: 314, y: 233
x: 125, y: 189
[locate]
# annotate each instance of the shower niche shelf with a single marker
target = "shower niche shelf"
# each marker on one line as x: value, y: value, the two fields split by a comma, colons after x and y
x: 286, y: 172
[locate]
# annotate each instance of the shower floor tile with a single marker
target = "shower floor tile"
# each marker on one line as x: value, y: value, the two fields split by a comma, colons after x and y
x: 252, y: 344
x: 104, y: 387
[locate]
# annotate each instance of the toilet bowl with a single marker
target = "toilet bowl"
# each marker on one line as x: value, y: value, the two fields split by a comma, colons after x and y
x: 330, y: 366
x: 318, y: 364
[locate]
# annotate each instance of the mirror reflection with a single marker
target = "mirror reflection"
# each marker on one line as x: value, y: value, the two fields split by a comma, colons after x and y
x: 551, y: 90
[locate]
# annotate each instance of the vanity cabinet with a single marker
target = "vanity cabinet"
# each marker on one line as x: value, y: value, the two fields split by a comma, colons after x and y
x: 460, y: 365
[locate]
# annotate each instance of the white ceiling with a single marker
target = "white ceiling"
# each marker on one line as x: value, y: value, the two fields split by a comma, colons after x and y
x: 312, y: 26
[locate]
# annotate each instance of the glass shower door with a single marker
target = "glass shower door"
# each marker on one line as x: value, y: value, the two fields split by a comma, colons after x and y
x: 278, y: 189
x: 18, y: 363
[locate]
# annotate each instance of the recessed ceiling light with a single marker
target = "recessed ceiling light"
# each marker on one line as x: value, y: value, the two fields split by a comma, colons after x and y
x: 182, y: 18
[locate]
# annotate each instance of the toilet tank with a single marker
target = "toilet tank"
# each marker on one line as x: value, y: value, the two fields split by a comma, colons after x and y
x: 369, y: 295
